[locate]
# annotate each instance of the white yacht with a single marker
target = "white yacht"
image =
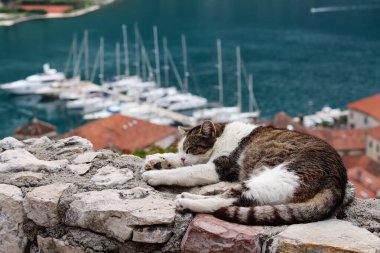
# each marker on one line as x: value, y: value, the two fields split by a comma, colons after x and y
x: 34, y: 82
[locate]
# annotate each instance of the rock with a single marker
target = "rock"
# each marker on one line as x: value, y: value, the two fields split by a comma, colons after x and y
x: 41, y: 204
x: 11, y: 219
x: 44, y: 140
x: 112, y: 212
x: 85, y: 157
x: 209, y: 234
x: 79, y: 169
x: 151, y: 234
x: 73, y: 145
x: 111, y: 176
x: 363, y: 213
x: 325, y: 236
x: 10, y: 143
x: 28, y: 175
x: 48, y: 245
x: 21, y: 160
x: 181, y: 222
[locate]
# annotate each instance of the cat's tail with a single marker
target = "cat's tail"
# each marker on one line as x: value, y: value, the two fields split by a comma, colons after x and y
x: 321, y: 206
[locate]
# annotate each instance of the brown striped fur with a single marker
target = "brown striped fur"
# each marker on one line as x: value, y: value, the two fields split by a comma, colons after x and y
x: 322, y: 175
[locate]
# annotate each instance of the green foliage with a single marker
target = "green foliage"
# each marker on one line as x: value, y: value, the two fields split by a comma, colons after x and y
x: 153, y: 150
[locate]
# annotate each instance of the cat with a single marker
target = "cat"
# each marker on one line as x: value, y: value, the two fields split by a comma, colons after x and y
x: 284, y: 177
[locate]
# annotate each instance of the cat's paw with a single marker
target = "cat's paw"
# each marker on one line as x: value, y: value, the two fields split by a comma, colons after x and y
x: 156, y: 162
x: 152, y: 177
x: 181, y: 205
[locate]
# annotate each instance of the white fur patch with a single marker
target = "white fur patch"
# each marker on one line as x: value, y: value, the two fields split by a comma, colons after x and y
x: 272, y: 186
x: 230, y: 138
x: 208, y: 205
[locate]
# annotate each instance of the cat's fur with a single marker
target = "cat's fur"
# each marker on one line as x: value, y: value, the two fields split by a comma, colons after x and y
x: 285, y: 177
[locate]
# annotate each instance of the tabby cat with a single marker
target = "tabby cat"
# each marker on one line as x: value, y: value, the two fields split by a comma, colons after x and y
x: 284, y: 177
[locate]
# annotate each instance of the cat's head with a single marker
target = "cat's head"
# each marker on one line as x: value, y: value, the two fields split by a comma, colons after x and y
x: 197, y: 143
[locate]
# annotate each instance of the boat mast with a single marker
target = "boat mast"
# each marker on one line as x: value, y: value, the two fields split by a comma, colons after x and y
x: 220, y: 71
x: 166, y: 61
x: 126, y: 53
x: 77, y: 65
x: 252, y: 100
x: 86, y: 56
x: 185, y: 67
x: 238, y: 74
x: 157, y: 56
x: 117, y: 53
x: 137, y: 49
x: 101, y: 72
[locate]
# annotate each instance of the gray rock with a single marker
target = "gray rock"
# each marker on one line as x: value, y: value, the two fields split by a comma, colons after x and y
x: 113, y: 212
x: 111, y: 176
x: 11, y: 219
x: 85, y: 157
x: 325, y: 236
x: 79, y: 169
x: 28, y: 175
x: 41, y: 204
x: 21, y: 160
x: 48, y: 245
x: 364, y: 213
x: 10, y: 143
x: 151, y: 234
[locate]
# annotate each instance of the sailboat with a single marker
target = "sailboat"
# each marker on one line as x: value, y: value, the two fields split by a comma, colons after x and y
x: 221, y: 111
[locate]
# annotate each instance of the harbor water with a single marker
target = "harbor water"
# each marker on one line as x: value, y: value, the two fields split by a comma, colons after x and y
x: 302, y: 54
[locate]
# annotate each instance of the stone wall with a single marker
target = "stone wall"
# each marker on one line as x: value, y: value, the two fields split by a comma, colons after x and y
x: 64, y: 197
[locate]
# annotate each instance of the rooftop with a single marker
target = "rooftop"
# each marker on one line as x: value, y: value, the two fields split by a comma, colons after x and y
x: 35, y: 128
x: 369, y: 105
x: 342, y: 139
x: 121, y: 132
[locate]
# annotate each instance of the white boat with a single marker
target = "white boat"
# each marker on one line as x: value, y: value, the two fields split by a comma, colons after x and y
x: 34, y: 82
x: 103, y: 113
x: 154, y: 94
x: 181, y: 101
x: 88, y: 101
x: 215, y: 113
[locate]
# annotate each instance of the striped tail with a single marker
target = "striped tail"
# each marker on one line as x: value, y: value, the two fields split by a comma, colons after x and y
x: 321, y: 206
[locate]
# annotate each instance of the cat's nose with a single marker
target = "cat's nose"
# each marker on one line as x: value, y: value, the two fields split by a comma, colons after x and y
x: 183, y: 160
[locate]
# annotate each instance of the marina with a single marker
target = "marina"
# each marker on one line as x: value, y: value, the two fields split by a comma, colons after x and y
x: 300, y: 61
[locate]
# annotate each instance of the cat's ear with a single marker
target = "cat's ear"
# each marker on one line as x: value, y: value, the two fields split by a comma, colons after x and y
x: 208, y: 129
x: 183, y: 130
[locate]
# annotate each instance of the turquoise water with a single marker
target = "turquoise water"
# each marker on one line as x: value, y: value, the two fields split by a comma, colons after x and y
x: 300, y: 61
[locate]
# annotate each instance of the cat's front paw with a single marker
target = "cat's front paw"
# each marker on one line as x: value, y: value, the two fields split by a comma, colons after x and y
x: 152, y: 177
x: 156, y: 162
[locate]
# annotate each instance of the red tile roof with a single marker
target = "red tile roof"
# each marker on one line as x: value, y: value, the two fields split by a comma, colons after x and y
x: 342, y: 139
x: 35, y: 128
x: 122, y: 132
x: 369, y: 105
x: 375, y: 132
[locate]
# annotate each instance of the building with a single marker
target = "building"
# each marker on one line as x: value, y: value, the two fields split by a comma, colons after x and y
x: 373, y: 144
x: 35, y: 129
x: 125, y: 133
x: 364, y: 113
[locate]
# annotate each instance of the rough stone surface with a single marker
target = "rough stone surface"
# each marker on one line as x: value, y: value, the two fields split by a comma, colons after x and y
x: 85, y: 157
x: 28, y: 175
x: 79, y: 169
x: 49, y: 245
x: 152, y: 234
x: 209, y: 234
x: 41, y: 204
x: 111, y: 176
x: 113, y: 211
x: 11, y: 219
x: 325, y: 236
x: 10, y: 143
x: 363, y: 213
x: 21, y: 160
x: 117, y: 215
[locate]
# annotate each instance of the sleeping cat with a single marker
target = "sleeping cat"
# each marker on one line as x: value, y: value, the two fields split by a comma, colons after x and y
x: 284, y: 177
